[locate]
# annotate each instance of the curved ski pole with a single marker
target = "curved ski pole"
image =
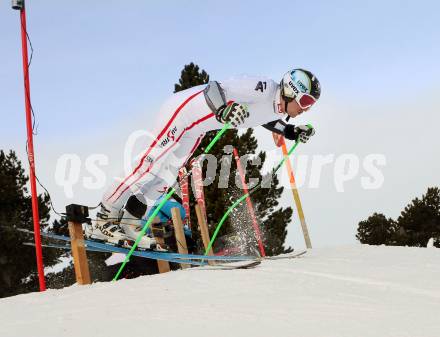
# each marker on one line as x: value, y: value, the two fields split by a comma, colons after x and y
x: 161, y: 204
x: 237, y: 202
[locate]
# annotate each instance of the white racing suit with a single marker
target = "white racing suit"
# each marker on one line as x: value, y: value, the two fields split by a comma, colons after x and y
x: 182, y: 122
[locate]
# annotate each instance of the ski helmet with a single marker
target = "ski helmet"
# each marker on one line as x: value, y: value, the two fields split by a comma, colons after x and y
x: 302, y: 86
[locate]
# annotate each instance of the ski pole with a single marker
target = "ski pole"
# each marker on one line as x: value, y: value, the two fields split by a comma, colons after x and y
x: 162, y: 203
x: 296, y: 197
x: 236, y: 203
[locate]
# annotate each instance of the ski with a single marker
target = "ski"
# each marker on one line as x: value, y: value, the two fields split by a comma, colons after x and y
x: 286, y: 256
x: 221, y: 262
x: 199, y: 260
x: 252, y: 264
x: 243, y: 264
x: 64, y: 247
x: 231, y: 265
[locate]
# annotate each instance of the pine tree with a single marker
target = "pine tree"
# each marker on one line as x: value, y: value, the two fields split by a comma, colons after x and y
x: 420, y: 220
x: 191, y: 77
x: 272, y: 220
x: 65, y: 277
x: 376, y: 230
x: 18, y: 270
x: 417, y: 223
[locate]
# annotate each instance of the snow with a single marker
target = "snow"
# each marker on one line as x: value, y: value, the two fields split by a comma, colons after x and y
x: 343, y: 291
x: 64, y: 262
x: 115, y: 258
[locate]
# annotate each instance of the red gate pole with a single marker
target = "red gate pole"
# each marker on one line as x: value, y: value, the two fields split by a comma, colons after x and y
x: 198, y: 186
x: 184, y: 187
x: 249, y: 204
x: 30, y: 145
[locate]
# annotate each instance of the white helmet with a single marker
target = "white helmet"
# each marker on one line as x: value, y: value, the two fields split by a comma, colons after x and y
x: 302, y: 86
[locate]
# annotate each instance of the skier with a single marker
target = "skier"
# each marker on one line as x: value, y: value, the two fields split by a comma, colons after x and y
x: 182, y: 122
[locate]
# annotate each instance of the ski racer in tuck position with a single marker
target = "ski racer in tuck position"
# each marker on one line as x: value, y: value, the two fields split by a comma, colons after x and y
x: 181, y: 124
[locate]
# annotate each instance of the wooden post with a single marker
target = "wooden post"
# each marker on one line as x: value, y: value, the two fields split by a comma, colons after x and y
x: 80, y: 262
x: 163, y: 266
x: 296, y: 196
x: 203, y: 228
x: 180, y: 234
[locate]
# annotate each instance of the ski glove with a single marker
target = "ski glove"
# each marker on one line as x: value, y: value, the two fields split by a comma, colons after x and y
x: 300, y: 132
x: 233, y: 113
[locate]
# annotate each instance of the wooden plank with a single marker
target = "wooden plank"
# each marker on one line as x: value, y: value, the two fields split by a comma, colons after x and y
x: 180, y: 234
x: 163, y: 266
x: 80, y: 262
x: 203, y: 226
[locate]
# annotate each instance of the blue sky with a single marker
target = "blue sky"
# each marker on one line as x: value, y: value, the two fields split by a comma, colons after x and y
x: 103, y: 68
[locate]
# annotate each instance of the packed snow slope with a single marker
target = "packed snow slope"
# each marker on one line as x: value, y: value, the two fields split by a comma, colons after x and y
x: 345, y: 291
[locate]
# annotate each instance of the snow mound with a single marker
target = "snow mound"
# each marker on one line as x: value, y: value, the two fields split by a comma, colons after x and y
x: 344, y: 291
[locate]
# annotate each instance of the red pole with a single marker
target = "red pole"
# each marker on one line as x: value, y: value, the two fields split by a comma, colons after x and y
x: 249, y: 204
x: 31, y: 157
x: 184, y: 187
x: 198, y: 186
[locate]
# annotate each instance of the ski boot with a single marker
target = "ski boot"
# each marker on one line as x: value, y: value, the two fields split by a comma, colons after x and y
x: 106, y: 227
x: 131, y: 223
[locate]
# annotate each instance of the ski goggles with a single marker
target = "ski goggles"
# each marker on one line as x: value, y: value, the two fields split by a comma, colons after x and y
x: 304, y: 100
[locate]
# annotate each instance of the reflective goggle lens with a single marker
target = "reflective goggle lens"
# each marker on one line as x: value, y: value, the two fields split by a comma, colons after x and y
x: 306, y: 101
